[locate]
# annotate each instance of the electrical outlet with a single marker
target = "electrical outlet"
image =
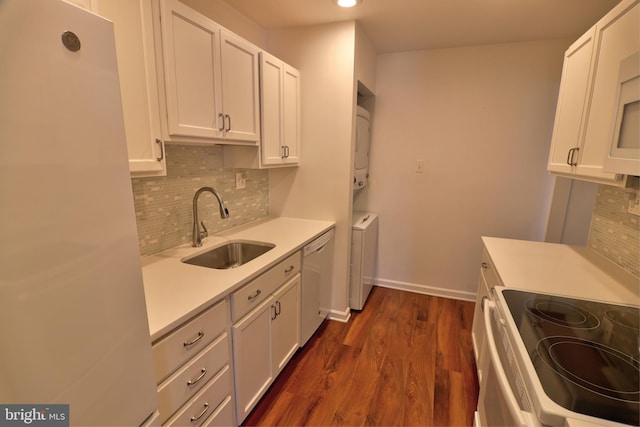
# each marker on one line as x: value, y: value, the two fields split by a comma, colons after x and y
x: 634, y: 203
x: 241, y: 180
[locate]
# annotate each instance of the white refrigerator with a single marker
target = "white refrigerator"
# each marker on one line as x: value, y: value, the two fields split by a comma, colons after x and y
x: 73, y: 325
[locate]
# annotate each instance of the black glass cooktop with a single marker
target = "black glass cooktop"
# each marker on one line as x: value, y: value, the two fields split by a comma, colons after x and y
x: 586, y: 353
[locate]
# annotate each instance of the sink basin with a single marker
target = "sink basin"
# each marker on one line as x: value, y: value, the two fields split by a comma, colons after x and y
x: 230, y: 255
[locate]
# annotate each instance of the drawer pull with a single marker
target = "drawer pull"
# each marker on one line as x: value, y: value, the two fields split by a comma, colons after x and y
x: 195, y: 340
x: 197, y: 380
x: 201, y: 414
x: 289, y: 270
x: 254, y: 296
x: 278, y: 308
x: 484, y: 265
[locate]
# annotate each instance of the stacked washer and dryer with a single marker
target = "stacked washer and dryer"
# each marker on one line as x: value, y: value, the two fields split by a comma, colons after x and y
x: 364, y: 239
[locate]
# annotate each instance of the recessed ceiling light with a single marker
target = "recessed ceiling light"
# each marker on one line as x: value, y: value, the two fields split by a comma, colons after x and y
x: 347, y: 3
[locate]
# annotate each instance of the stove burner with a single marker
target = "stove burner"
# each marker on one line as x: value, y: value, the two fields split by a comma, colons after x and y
x: 627, y: 317
x: 562, y: 314
x: 593, y: 366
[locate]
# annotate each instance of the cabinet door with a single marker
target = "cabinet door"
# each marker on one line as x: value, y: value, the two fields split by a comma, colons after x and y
x: 240, y: 102
x: 616, y: 39
x: 191, y: 64
x: 291, y: 114
x: 571, y: 103
x: 133, y: 25
x: 280, y: 108
x: 271, y: 87
x: 252, y: 357
x: 286, y: 325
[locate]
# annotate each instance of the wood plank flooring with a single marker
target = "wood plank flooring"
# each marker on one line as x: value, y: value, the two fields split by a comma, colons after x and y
x: 405, y: 360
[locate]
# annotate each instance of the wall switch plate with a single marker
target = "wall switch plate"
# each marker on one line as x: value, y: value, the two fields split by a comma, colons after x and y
x: 241, y: 180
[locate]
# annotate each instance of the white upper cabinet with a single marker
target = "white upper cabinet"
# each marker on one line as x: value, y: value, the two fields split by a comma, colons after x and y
x: 280, y: 119
x: 240, y: 94
x: 571, y: 103
x: 280, y: 109
x: 586, y: 108
x: 617, y: 40
x: 210, y: 79
x: 133, y: 25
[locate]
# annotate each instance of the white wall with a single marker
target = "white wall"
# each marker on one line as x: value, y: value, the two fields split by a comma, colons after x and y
x: 365, y: 61
x: 481, y: 119
x: 321, y: 187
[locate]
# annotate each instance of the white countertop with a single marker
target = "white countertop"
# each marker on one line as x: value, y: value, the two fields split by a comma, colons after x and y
x: 175, y: 291
x: 561, y: 269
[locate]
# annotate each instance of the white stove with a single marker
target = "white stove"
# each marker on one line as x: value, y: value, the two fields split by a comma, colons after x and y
x: 556, y: 358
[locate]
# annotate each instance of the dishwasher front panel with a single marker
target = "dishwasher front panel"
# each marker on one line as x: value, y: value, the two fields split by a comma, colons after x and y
x: 317, y: 274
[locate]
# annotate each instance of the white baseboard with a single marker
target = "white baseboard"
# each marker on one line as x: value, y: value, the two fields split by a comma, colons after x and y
x: 340, y: 316
x: 426, y: 290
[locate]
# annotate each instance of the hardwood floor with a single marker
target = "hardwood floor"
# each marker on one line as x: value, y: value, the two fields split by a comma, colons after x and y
x: 405, y: 360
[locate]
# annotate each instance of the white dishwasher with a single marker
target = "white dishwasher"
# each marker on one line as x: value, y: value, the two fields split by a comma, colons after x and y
x: 317, y: 275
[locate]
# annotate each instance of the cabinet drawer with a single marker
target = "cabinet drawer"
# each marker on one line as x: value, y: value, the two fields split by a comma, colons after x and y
x: 223, y: 415
x: 250, y: 295
x: 183, y: 343
x: 489, y: 272
x: 179, y: 387
x: 195, y: 412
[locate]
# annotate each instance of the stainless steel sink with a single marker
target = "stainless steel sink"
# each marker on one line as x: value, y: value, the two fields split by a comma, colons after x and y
x: 230, y: 255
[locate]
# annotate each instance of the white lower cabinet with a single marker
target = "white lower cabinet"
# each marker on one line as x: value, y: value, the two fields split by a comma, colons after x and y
x: 193, y: 370
x: 200, y: 363
x: 285, y: 327
x: 252, y: 357
x: 266, y: 338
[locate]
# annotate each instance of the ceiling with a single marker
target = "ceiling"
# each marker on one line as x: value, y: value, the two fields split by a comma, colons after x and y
x: 402, y: 25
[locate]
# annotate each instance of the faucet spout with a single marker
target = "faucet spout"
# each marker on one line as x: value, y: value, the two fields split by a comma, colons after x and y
x: 224, y: 213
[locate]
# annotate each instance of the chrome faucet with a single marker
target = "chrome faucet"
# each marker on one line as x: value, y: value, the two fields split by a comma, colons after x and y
x: 224, y: 213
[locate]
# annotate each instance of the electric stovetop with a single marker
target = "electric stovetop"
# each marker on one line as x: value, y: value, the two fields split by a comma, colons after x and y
x: 586, y: 354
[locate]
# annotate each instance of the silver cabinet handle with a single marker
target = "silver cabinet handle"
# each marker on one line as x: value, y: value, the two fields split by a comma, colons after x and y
x: 197, y: 380
x: 159, y: 142
x: 286, y: 151
x: 228, y: 128
x: 274, y: 312
x: 221, y: 128
x: 575, y: 162
x: 254, y: 296
x: 289, y: 270
x: 484, y: 265
x: 195, y: 340
x: 278, y: 308
x: 570, y: 156
x: 204, y: 411
x: 284, y: 155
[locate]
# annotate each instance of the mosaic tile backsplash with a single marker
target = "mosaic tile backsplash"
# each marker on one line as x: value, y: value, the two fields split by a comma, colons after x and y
x: 164, y: 204
x: 614, y: 232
